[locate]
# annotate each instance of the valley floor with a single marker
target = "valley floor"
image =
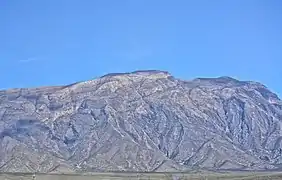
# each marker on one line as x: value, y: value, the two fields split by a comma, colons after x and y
x: 145, y: 176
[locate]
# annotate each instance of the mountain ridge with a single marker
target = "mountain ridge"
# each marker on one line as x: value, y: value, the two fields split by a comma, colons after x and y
x: 141, y: 121
x: 108, y: 75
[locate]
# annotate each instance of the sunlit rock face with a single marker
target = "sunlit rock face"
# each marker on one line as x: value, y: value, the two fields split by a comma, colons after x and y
x: 141, y: 121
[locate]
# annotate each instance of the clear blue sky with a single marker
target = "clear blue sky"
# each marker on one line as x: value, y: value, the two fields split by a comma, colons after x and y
x: 57, y: 42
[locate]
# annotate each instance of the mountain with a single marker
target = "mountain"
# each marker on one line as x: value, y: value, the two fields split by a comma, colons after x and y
x: 141, y: 121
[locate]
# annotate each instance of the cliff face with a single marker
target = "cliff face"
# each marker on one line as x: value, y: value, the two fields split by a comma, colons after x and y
x: 141, y: 121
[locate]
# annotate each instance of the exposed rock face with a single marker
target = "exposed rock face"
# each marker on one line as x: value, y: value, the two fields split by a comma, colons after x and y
x: 141, y: 121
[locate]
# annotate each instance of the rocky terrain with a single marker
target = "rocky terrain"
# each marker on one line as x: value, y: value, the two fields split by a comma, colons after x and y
x: 141, y: 121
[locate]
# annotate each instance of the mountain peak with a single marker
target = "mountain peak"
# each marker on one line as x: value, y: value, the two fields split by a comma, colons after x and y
x: 153, y: 73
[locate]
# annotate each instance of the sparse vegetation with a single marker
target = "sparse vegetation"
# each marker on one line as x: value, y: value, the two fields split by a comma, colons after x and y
x: 145, y: 176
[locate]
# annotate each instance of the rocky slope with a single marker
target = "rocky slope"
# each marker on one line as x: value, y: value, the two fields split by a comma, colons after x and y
x: 141, y: 121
